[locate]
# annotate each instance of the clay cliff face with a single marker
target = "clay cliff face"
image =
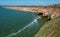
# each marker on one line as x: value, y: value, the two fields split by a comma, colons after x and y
x: 50, y: 12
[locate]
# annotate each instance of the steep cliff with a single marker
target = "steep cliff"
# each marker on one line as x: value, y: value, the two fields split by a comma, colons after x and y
x: 50, y: 29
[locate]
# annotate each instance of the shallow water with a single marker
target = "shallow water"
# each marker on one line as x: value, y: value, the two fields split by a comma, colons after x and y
x: 15, y: 23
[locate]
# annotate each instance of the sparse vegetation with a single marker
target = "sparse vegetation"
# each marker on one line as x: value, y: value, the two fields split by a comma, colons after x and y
x: 55, y: 5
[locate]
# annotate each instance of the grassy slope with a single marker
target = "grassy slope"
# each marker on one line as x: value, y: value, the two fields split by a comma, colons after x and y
x: 50, y: 29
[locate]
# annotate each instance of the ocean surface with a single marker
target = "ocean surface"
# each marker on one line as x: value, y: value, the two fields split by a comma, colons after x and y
x: 14, y: 23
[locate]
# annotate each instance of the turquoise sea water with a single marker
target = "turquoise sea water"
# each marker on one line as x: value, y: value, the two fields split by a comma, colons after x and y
x: 15, y: 23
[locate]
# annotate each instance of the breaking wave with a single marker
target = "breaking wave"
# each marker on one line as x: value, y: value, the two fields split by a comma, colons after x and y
x: 34, y: 21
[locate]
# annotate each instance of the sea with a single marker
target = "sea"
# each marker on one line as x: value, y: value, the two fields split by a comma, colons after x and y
x: 14, y: 23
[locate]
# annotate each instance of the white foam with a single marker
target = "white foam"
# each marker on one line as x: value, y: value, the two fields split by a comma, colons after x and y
x: 34, y: 21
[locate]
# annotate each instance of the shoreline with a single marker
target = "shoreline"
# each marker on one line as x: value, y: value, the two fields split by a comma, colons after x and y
x: 46, y: 11
x: 30, y: 9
